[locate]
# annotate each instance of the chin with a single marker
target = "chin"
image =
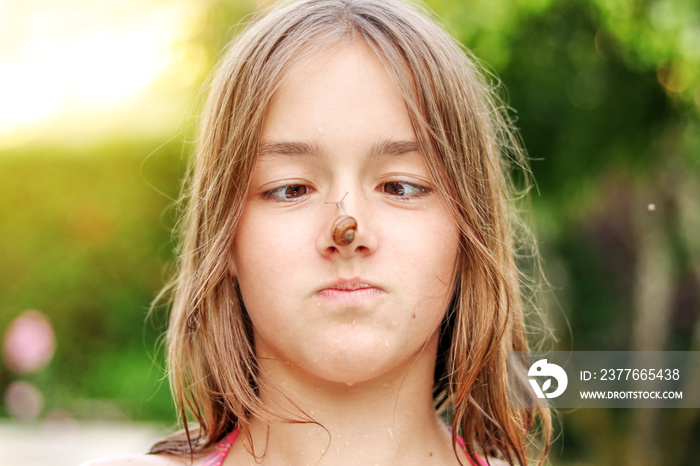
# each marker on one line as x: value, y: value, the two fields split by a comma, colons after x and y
x: 358, y: 366
x: 353, y: 377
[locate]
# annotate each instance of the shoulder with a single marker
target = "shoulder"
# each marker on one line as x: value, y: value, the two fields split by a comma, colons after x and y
x: 141, y: 460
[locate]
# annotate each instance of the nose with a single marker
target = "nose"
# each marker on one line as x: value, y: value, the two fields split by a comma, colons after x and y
x: 347, y: 232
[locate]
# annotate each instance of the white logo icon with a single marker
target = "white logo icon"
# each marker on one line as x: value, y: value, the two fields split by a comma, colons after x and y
x: 542, y: 368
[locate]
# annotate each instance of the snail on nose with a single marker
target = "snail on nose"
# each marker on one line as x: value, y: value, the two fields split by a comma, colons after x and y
x: 344, y: 227
x: 343, y: 230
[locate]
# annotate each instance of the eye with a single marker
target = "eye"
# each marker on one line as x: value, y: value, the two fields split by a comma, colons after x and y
x: 404, y: 190
x: 287, y: 192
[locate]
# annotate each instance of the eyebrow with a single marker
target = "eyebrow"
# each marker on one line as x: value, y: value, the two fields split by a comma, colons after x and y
x: 289, y: 148
x: 387, y: 147
x: 296, y: 148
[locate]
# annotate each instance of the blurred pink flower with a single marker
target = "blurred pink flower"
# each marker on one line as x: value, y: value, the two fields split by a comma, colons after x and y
x: 23, y: 401
x: 29, y: 342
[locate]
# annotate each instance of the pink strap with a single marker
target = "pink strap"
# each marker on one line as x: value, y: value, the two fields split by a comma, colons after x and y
x: 217, y: 457
x: 463, y: 446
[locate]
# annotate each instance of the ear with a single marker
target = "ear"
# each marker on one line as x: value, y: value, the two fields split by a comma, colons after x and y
x: 232, y: 269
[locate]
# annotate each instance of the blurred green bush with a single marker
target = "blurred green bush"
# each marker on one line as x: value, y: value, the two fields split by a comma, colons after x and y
x: 85, y: 237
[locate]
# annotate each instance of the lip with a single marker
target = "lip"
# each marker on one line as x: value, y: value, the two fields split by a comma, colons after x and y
x: 349, y: 291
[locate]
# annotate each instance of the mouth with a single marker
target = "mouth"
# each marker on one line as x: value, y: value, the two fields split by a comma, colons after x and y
x: 349, y: 291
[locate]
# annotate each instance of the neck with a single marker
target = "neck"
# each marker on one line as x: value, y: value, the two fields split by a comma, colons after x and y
x: 388, y: 420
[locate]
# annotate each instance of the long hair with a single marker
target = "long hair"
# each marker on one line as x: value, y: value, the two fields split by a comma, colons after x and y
x: 470, y: 149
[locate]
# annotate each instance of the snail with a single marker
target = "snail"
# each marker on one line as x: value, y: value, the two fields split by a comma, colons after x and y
x: 343, y: 230
x: 344, y: 227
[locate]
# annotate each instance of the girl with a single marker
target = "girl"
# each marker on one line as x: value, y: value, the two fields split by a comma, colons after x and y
x: 347, y: 262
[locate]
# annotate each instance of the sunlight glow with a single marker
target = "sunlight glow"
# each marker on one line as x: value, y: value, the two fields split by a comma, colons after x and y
x: 64, y: 57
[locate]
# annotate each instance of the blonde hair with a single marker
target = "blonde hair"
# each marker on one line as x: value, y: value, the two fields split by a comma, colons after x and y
x: 469, y: 147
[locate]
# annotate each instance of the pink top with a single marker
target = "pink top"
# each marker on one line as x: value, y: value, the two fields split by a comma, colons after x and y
x: 217, y: 457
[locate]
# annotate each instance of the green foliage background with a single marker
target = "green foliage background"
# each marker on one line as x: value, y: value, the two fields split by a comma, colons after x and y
x: 607, y: 95
x: 86, y: 240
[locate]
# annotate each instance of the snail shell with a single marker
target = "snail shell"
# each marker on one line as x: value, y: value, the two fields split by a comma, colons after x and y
x: 343, y: 230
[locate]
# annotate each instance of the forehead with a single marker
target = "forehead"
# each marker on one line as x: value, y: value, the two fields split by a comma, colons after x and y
x: 343, y: 89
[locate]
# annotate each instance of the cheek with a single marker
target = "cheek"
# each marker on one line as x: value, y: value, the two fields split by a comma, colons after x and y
x: 261, y: 257
x: 273, y: 253
x: 265, y: 244
x: 431, y: 245
x: 425, y: 255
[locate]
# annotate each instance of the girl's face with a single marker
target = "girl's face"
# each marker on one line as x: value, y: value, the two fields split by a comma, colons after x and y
x: 337, y: 127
